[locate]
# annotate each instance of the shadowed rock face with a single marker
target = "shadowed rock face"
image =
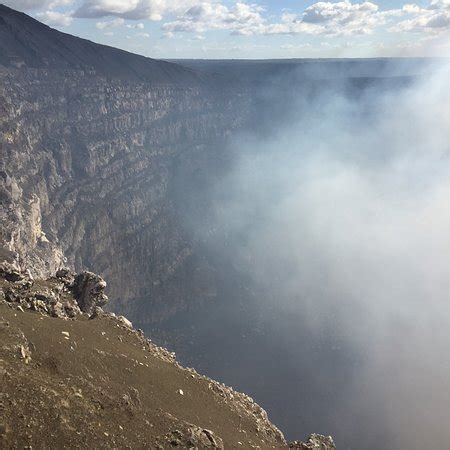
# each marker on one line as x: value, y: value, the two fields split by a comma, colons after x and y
x: 94, y: 174
x: 88, y: 162
x: 88, y: 168
x: 91, y: 139
x: 88, y: 289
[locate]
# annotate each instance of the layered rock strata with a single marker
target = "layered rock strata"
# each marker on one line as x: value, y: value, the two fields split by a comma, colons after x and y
x: 88, y: 168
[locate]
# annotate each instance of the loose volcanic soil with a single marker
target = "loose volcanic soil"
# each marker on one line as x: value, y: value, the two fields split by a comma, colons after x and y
x: 96, y: 383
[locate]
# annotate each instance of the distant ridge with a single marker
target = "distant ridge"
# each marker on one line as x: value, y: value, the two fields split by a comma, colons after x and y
x: 26, y: 42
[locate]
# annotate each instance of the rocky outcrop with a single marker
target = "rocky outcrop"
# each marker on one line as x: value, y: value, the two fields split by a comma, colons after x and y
x: 65, y: 295
x: 315, y: 442
x: 88, y: 289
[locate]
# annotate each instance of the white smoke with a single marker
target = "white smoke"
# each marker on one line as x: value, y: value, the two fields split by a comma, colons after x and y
x: 343, y: 216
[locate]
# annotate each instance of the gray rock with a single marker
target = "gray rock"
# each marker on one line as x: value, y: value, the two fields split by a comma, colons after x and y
x: 65, y: 275
x: 315, y: 442
x: 97, y: 312
x: 56, y: 309
x: 124, y: 321
x: 204, y: 438
x: 71, y: 309
x: 11, y: 272
x: 89, y: 289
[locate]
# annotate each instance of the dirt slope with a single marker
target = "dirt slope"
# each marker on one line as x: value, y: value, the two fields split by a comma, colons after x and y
x: 96, y: 383
x: 73, y: 376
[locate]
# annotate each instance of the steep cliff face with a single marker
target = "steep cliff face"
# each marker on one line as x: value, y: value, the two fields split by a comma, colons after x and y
x: 88, y: 168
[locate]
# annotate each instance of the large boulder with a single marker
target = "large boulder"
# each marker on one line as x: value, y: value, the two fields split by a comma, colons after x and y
x: 88, y: 289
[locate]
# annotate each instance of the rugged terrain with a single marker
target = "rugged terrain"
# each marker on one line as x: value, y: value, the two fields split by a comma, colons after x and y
x: 68, y: 134
x: 74, y: 376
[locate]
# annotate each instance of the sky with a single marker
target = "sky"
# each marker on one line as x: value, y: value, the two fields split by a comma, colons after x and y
x: 255, y: 29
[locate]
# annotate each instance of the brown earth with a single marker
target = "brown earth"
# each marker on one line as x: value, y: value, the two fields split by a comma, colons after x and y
x: 73, y: 376
x: 99, y: 384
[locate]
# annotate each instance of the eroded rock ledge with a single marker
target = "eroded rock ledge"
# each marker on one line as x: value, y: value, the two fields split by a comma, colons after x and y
x: 65, y: 295
x: 180, y: 408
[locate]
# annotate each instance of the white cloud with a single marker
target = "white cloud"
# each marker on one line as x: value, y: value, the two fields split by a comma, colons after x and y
x: 197, y: 17
x: 55, y: 18
x: 242, y: 18
x: 110, y: 24
x: 139, y: 26
x: 339, y: 18
x: 327, y: 18
x: 56, y: 3
x: 132, y: 9
x: 342, y: 18
x: 26, y: 5
x: 433, y: 19
x: 341, y: 12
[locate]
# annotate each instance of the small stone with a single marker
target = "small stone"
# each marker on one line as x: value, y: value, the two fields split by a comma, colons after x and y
x: 180, y: 391
x: 25, y: 354
x: 97, y: 312
x: 124, y: 321
x: 3, y: 429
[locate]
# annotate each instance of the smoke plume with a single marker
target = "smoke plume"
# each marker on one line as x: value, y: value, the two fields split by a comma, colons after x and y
x: 340, y: 216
